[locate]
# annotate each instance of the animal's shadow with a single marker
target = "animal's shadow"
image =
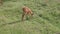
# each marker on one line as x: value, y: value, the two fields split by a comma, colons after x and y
x: 10, y: 23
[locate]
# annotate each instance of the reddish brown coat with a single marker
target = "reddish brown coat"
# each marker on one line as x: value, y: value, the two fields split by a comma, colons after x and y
x: 26, y: 11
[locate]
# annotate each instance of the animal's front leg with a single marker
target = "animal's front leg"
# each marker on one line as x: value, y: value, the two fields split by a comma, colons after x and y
x: 1, y: 2
x: 23, y: 16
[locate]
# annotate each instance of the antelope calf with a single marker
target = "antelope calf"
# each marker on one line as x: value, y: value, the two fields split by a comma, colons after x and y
x: 26, y: 11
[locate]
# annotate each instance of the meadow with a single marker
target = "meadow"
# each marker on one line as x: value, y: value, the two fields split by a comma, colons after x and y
x: 46, y: 19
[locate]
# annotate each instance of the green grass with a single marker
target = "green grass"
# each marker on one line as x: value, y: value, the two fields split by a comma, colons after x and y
x: 46, y: 19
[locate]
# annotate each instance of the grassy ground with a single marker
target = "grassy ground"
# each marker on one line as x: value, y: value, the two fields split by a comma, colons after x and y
x: 46, y: 19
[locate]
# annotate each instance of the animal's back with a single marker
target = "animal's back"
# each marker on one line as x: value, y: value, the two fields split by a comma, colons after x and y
x: 26, y: 9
